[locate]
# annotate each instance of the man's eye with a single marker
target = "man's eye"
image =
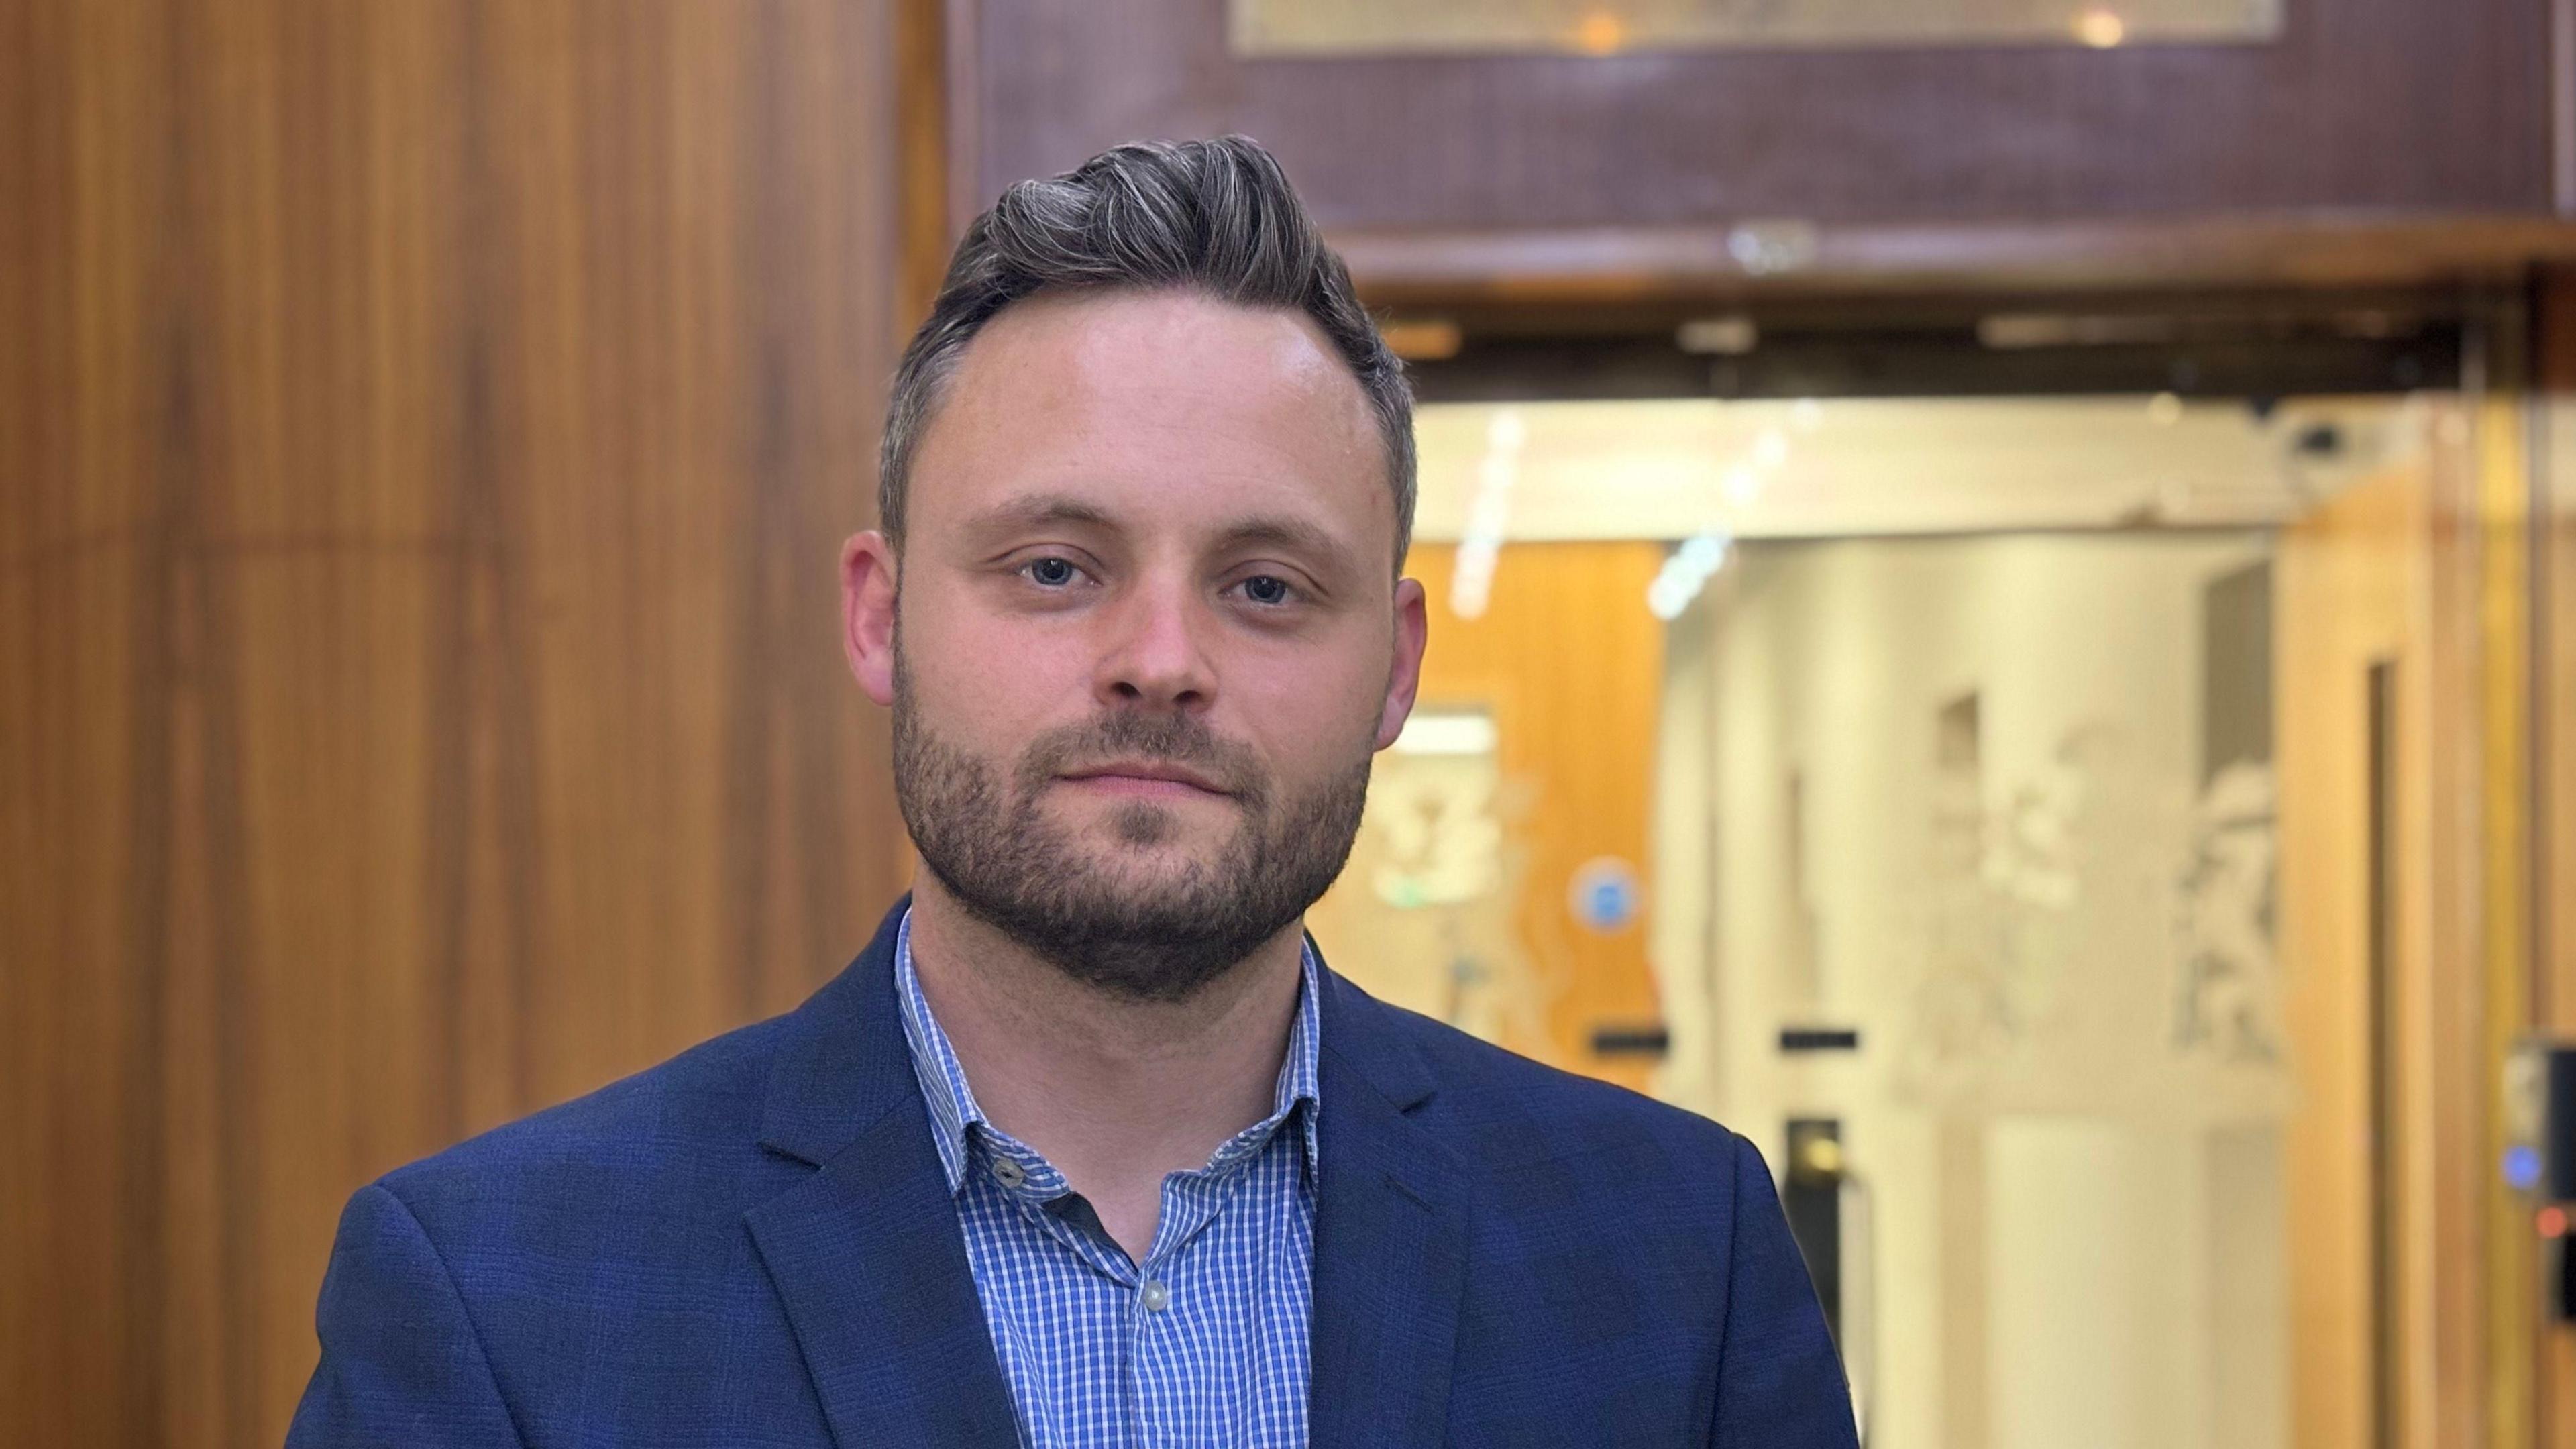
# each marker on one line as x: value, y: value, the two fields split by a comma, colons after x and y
x: 1268, y: 590
x: 1053, y: 573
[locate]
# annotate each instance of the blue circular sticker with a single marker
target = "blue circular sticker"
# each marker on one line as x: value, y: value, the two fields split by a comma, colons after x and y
x: 1604, y: 894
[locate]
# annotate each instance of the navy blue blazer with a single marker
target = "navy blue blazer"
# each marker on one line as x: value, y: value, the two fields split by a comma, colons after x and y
x: 753, y: 1244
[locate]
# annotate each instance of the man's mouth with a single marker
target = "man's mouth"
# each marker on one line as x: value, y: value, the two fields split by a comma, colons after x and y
x: 1147, y: 778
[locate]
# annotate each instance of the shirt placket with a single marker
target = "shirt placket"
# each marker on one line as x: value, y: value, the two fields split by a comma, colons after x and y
x: 1033, y: 1185
x: 1166, y: 1316
x: 1169, y: 1368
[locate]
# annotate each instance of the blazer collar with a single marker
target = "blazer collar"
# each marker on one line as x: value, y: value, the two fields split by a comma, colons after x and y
x: 1392, y: 1207
x: 843, y: 1064
x: 866, y: 1256
x: 865, y: 1253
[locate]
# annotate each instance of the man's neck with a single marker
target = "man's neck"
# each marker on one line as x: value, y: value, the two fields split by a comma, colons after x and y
x: 1114, y: 1092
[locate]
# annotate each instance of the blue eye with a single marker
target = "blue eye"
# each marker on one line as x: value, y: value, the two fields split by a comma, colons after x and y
x: 1053, y: 573
x: 1267, y: 590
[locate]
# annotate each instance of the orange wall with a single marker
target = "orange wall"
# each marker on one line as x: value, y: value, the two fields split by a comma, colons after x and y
x: 1571, y: 666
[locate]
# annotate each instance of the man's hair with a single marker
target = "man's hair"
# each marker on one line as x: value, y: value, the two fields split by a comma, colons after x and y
x: 1216, y: 217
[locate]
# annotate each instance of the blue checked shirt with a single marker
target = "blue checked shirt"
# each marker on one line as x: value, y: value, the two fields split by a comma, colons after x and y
x: 1203, y: 1343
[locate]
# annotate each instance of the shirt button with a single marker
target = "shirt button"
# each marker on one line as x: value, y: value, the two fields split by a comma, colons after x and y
x: 1008, y: 1173
x: 1156, y: 1296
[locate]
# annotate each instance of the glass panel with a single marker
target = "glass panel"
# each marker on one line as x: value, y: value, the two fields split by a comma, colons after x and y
x: 1909, y: 769
x: 1356, y: 27
x: 1963, y: 808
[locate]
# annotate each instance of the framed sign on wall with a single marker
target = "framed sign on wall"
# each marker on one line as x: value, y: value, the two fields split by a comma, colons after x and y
x: 1282, y: 28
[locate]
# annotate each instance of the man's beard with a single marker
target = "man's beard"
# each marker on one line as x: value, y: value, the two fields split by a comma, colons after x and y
x: 1014, y: 869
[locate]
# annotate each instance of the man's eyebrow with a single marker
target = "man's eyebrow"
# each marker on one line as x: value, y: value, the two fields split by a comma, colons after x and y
x: 1039, y: 510
x: 1295, y: 535
x: 1048, y: 510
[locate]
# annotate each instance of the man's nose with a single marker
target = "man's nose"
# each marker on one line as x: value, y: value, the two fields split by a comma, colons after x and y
x: 1156, y: 654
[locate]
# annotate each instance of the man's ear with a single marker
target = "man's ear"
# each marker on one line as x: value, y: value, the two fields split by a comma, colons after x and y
x: 867, y: 612
x: 1412, y: 632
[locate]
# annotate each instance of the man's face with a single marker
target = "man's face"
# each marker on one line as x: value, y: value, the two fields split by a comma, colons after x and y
x: 1148, y: 634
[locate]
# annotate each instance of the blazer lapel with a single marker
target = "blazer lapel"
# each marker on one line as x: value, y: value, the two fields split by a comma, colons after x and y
x: 1391, y: 1214
x: 865, y: 1254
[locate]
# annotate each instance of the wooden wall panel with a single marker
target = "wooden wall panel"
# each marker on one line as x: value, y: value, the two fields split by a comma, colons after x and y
x: 425, y: 435
x: 2396, y: 1273
x: 2492, y: 622
x: 2554, y: 747
x: 2348, y: 580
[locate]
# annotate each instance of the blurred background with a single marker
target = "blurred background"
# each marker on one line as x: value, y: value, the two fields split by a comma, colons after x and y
x: 2004, y: 591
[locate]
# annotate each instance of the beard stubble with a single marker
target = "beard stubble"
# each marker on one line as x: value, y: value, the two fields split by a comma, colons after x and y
x: 983, y: 833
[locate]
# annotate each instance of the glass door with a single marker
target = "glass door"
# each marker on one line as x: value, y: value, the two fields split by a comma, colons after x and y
x: 2022, y: 817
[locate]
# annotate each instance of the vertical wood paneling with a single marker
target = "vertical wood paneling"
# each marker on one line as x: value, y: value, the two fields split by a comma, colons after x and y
x: 2496, y: 633
x: 424, y: 439
x: 2392, y: 1218
x: 2554, y: 745
x: 2348, y: 577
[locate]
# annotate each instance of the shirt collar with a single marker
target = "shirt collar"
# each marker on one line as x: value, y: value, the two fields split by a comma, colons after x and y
x: 952, y: 1101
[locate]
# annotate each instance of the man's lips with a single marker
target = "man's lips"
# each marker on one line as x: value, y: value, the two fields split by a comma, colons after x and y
x: 1145, y: 777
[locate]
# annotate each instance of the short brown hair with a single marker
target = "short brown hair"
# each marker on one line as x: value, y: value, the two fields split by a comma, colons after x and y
x: 1212, y: 216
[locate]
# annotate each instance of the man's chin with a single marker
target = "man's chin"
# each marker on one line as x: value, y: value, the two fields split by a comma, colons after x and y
x: 1142, y: 871
x: 1125, y: 830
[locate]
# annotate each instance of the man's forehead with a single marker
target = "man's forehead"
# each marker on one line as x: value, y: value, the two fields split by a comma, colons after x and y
x: 1082, y: 392
x: 1064, y: 346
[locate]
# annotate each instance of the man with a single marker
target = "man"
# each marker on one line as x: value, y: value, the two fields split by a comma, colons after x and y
x: 1088, y: 1147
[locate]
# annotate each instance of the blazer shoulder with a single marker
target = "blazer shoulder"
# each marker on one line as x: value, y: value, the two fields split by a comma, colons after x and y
x: 685, y: 1135
x: 1514, y: 1110
x: 694, y: 1116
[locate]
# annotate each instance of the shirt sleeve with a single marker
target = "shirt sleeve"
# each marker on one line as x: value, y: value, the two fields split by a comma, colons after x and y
x: 1780, y: 1382
x: 401, y: 1362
